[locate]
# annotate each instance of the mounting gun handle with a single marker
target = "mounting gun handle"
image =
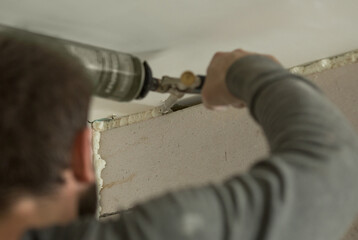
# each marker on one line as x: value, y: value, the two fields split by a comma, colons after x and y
x: 202, y: 81
x: 188, y: 82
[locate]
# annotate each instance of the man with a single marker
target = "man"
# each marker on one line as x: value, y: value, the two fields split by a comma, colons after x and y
x: 303, y: 190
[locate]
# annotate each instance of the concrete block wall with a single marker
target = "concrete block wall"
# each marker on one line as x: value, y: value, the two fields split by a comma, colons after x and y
x: 196, y: 146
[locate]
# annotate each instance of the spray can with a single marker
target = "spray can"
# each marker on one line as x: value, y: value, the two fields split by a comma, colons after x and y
x: 121, y: 76
x: 114, y: 75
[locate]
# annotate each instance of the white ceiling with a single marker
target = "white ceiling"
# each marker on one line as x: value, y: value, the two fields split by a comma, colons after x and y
x: 179, y: 35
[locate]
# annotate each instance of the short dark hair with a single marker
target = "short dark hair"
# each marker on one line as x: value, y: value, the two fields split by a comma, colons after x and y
x: 44, y: 100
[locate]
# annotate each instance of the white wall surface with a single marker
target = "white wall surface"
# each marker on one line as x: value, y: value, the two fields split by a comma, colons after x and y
x: 179, y: 35
x: 196, y: 146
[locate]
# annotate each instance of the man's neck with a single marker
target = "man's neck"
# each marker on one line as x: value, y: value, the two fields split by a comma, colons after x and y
x: 17, y: 220
x: 11, y: 230
x: 34, y: 212
x: 26, y: 214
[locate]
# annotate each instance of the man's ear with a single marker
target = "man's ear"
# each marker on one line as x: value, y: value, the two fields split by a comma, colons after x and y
x: 81, y: 161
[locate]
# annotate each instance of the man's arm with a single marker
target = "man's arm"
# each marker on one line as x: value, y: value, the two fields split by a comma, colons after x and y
x: 305, y: 189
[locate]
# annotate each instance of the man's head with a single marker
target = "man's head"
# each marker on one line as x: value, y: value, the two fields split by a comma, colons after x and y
x: 45, y: 153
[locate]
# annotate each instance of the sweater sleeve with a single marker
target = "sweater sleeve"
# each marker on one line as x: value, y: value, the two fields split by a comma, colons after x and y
x: 305, y: 189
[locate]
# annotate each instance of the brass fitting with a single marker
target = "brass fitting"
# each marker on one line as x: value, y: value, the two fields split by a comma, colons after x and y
x: 188, y: 78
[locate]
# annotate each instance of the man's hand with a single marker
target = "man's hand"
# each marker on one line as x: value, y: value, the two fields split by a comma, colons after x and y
x: 215, y: 93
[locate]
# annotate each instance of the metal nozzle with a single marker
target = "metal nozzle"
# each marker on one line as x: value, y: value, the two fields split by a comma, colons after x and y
x: 187, y: 83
